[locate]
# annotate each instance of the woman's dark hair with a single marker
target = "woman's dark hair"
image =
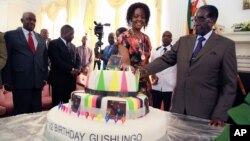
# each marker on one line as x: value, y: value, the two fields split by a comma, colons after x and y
x: 131, y: 11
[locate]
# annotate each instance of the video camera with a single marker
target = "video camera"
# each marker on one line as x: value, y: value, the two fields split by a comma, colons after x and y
x: 99, y: 33
x: 99, y: 29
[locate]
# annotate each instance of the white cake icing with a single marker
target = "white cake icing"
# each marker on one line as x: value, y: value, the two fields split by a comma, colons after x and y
x: 62, y: 126
x: 112, y: 82
x: 109, y: 110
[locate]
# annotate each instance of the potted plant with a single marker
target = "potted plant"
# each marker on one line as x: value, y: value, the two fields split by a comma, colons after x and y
x: 244, y: 26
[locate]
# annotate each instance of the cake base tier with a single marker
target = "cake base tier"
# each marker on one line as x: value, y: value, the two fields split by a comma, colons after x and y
x: 62, y: 126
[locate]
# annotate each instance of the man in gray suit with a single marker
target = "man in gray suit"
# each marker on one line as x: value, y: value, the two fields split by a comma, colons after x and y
x: 26, y: 69
x: 86, y: 55
x: 206, y: 83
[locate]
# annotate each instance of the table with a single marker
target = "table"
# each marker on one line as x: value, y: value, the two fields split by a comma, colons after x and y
x: 30, y: 127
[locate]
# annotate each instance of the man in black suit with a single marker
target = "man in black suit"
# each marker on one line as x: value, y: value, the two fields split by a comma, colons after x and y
x: 26, y: 69
x: 65, y: 66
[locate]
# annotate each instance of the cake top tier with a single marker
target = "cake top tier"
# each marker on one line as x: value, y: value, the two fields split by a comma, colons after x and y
x: 112, y: 83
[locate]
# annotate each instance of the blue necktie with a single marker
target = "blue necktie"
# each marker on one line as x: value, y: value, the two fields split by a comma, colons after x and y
x: 198, y: 48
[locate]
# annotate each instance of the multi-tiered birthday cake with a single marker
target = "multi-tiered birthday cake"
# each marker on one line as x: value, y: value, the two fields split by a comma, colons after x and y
x: 110, y: 109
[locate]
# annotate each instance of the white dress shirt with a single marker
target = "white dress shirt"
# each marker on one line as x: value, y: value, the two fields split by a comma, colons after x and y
x: 167, y: 77
x: 26, y: 33
x: 207, y: 36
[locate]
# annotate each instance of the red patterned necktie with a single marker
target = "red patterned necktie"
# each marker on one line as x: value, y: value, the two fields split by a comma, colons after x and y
x: 31, y: 43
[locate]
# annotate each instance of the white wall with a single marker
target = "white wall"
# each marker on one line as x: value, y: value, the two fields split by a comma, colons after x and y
x: 12, y: 10
x: 230, y: 12
x: 175, y: 11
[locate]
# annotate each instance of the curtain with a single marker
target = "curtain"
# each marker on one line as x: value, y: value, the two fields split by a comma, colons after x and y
x: 89, y: 17
x: 81, y: 13
x: 116, y: 4
x: 158, y: 5
x: 52, y: 9
x: 72, y: 10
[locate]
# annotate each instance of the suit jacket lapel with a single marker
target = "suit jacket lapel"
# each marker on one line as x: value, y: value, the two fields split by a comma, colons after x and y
x: 190, y: 45
x: 63, y: 47
x: 38, y: 42
x: 21, y: 36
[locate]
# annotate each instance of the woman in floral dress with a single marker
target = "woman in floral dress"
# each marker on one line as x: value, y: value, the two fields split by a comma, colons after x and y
x: 135, y: 46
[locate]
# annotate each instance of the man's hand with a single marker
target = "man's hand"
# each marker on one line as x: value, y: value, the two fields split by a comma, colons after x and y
x: 154, y: 79
x: 143, y: 72
x: 85, y: 70
x: 44, y: 83
x: 7, y: 88
x: 75, y: 72
x: 217, y: 123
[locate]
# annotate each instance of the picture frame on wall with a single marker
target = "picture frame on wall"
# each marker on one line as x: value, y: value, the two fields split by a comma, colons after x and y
x: 246, y: 4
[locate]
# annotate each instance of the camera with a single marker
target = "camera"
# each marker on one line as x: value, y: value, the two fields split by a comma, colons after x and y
x: 99, y: 33
x: 97, y: 50
x: 99, y: 29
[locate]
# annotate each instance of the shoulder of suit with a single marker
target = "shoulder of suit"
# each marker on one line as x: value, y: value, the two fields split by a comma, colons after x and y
x: 39, y: 36
x: 223, y: 38
x: 78, y: 48
x: 56, y: 41
x: 11, y: 34
x: 72, y: 45
x: 89, y: 48
x: 188, y: 36
x: 11, y: 31
x: 1, y: 34
x: 158, y: 48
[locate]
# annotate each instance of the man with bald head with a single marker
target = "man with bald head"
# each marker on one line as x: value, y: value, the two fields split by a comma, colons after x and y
x: 86, y: 55
x: 26, y: 69
x: 45, y: 35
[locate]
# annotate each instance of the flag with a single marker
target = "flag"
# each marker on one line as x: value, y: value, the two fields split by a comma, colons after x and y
x: 191, y: 10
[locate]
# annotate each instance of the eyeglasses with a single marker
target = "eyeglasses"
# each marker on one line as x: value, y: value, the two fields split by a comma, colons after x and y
x: 200, y: 18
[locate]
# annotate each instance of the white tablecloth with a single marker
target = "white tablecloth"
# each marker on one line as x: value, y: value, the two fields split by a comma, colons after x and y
x: 30, y: 127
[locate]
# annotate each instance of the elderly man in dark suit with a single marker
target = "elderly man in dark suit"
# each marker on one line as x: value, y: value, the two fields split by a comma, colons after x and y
x: 206, y: 70
x: 65, y: 66
x: 26, y: 69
